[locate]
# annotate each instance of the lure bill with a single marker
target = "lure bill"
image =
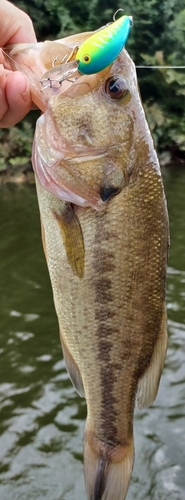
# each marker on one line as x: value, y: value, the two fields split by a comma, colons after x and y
x: 54, y: 77
x: 104, y: 46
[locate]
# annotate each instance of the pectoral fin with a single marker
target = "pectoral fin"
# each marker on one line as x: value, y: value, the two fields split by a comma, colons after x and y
x: 72, y: 369
x: 149, y: 382
x: 72, y: 238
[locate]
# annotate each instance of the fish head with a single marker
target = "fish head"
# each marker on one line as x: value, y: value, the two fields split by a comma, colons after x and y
x: 93, y: 136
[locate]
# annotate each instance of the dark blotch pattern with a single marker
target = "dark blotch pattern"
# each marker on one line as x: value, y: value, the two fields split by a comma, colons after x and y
x: 105, y: 316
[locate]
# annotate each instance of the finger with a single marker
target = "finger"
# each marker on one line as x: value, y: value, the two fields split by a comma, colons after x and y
x: 15, y: 25
x: 3, y: 101
x: 16, y: 102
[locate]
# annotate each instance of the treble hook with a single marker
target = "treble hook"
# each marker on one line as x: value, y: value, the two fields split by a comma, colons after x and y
x: 54, y: 77
x: 130, y: 17
x: 114, y: 15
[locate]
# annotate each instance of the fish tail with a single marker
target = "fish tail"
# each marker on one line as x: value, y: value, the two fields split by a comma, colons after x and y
x: 107, y: 469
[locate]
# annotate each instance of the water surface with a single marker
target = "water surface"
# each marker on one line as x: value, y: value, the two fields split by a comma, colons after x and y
x: 41, y: 416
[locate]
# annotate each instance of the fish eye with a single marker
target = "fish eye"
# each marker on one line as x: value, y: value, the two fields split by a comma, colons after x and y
x: 86, y: 58
x: 116, y: 87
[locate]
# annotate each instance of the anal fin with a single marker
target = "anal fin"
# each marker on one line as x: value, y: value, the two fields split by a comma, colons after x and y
x: 73, y: 370
x: 148, y: 384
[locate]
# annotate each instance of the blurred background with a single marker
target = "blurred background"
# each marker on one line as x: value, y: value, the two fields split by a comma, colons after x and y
x: 41, y: 417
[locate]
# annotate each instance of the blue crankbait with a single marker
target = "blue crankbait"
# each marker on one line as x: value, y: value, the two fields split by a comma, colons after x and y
x: 102, y: 48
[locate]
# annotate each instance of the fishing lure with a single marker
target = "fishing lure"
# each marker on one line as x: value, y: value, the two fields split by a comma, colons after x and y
x: 94, y: 55
x: 102, y: 48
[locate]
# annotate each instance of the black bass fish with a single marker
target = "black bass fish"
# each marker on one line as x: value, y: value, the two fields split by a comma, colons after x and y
x: 105, y: 236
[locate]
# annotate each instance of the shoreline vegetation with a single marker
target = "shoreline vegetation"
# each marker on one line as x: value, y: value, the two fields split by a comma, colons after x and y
x: 157, y: 38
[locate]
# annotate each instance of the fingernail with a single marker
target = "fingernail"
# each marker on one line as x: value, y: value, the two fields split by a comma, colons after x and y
x: 2, y: 77
x: 25, y: 90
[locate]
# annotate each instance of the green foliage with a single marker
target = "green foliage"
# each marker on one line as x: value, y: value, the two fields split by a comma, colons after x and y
x: 177, y: 29
x: 17, y: 144
x: 164, y: 107
x: 157, y: 37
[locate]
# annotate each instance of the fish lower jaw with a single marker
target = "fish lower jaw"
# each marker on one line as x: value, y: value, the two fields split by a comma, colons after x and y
x: 65, y: 194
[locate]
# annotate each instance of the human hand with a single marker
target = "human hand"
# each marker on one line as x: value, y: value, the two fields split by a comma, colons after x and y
x: 15, y: 97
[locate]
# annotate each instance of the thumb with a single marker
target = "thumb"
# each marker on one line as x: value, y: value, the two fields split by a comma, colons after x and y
x: 18, y: 99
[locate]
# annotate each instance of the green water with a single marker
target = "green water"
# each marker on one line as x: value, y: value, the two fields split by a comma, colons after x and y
x: 41, y: 416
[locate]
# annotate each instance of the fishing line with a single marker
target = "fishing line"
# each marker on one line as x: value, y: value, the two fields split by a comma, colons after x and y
x: 47, y: 82
x: 18, y: 66
x: 160, y: 67
x: 29, y: 75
